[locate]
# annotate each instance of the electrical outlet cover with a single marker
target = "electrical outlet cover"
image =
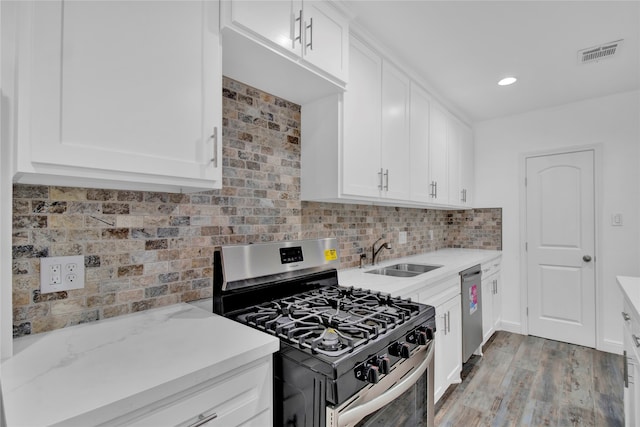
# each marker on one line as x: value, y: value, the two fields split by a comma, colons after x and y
x: 61, y: 273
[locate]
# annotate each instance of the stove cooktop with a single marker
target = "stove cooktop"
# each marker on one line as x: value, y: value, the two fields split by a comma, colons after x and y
x: 332, y: 320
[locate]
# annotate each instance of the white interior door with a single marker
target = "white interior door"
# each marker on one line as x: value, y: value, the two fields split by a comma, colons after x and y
x: 560, y: 247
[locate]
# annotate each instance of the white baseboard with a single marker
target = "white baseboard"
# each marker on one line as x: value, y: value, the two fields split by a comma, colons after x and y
x: 512, y: 327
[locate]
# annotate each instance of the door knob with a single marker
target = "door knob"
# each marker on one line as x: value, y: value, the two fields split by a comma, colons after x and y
x: 586, y: 258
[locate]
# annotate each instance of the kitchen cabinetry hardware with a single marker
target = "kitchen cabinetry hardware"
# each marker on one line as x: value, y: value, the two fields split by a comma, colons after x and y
x: 299, y: 38
x: 214, y: 159
x: 310, y: 28
x: 444, y: 323
x: 636, y: 340
x: 626, y: 370
x: 586, y: 258
x: 202, y: 419
x: 380, y: 177
x: 386, y: 180
x: 626, y: 316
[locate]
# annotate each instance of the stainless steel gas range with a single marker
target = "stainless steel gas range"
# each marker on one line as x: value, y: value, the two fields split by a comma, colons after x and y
x: 348, y: 357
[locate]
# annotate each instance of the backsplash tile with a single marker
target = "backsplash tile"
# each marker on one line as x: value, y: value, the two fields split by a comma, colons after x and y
x: 149, y: 249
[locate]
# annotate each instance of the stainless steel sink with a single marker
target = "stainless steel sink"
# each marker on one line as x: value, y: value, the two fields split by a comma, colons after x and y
x: 404, y: 270
x: 420, y: 268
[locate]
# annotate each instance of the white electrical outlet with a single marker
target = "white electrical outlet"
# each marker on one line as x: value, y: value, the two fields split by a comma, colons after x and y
x: 402, y: 237
x: 61, y: 273
x: 430, y: 234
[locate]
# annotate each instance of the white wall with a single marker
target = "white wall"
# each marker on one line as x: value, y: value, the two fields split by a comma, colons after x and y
x: 613, y: 123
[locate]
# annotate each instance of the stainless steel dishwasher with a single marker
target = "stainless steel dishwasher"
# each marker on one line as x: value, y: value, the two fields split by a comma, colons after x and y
x: 471, y: 310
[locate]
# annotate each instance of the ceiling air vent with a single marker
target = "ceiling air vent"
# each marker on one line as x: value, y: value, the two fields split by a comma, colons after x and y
x: 598, y: 53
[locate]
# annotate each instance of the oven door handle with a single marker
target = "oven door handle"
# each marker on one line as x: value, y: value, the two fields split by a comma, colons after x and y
x: 359, y: 412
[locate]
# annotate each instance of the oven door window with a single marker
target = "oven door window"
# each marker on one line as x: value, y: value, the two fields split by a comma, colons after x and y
x: 408, y: 410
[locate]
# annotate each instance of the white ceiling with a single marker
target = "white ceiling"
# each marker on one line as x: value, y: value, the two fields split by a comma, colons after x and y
x: 462, y: 48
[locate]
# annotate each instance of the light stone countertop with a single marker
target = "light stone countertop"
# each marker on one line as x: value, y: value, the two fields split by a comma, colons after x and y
x: 452, y: 260
x: 631, y: 289
x: 94, y: 372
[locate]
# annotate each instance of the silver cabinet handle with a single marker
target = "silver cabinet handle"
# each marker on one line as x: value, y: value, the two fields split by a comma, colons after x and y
x: 214, y: 159
x: 380, y: 178
x: 448, y: 321
x: 626, y: 316
x: 626, y: 370
x: 444, y: 323
x: 310, y: 28
x: 386, y: 182
x: 299, y: 38
x: 432, y: 191
x: 436, y: 189
x: 202, y: 419
x: 636, y: 339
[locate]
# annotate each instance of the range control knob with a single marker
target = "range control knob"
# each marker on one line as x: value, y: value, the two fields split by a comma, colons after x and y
x: 422, y: 337
x: 400, y: 349
x: 383, y: 364
x: 430, y: 332
x: 373, y: 375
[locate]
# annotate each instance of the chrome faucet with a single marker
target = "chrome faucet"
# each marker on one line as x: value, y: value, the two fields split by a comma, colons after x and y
x: 375, y: 252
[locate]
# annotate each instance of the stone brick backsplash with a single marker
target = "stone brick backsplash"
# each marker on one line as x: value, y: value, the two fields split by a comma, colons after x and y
x: 150, y: 249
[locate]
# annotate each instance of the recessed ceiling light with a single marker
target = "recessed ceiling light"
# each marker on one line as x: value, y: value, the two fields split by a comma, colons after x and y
x: 507, y: 81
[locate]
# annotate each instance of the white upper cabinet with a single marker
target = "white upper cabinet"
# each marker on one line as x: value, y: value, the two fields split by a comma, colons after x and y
x: 396, y: 145
x: 438, y: 155
x: 370, y: 127
x: 454, y: 152
x: 120, y: 94
x: 291, y: 48
x: 461, y: 167
x: 467, y: 165
x: 361, y: 158
x: 275, y: 21
x: 326, y: 39
x: 419, y: 112
x: 384, y: 141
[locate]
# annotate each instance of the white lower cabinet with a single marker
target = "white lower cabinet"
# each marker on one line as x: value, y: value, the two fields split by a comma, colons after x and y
x: 631, y: 339
x: 445, y: 297
x: 240, y: 398
x: 491, y: 299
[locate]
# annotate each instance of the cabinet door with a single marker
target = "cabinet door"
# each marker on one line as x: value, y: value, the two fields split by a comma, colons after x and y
x: 395, y: 133
x: 497, y: 302
x: 362, y: 104
x: 438, y: 161
x: 126, y: 91
x: 632, y: 388
x: 276, y: 21
x: 326, y: 38
x: 487, y: 308
x: 454, y: 350
x: 448, y: 362
x: 419, y: 136
x: 454, y: 151
x: 439, y: 378
x: 467, y: 165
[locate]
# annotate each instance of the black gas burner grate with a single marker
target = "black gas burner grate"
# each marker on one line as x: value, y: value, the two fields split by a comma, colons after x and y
x: 332, y: 320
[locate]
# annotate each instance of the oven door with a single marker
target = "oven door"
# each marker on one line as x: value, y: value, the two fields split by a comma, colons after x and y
x: 404, y: 397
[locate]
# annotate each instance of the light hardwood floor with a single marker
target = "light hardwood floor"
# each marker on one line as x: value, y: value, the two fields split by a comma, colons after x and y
x: 530, y: 381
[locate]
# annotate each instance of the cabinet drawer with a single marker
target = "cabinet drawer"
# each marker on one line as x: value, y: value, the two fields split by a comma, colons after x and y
x: 241, y: 399
x: 491, y: 267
